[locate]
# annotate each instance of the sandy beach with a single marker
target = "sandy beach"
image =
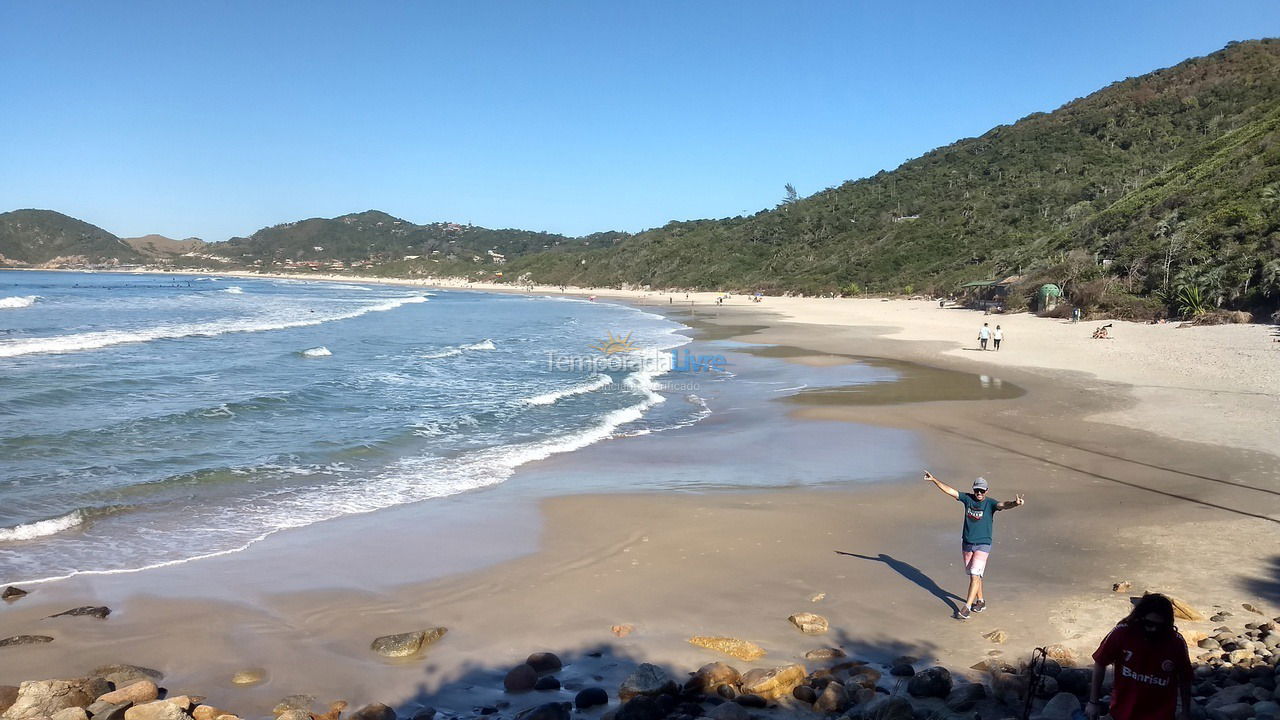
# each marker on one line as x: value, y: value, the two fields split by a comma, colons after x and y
x: 1148, y: 458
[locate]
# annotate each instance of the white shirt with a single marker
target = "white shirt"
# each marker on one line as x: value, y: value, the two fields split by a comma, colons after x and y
x: 999, y: 334
x: 984, y: 333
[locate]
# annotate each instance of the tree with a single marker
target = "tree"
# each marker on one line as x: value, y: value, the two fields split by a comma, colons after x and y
x: 791, y: 196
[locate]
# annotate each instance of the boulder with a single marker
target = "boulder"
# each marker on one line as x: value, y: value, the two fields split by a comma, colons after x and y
x: 1075, y: 680
x: 1062, y: 706
x: 25, y: 640
x: 774, y: 683
x: 1229, y: 696
x: 294, y: 702
x: 206, y: 712
x: 713, y: 675
x: 294, y: 714
x: 546, y: 711
x: 751, y: 700
x: 591, y: 697
x: 406, y: 644
x: 647, y: 680
x: 1182, y: 610
x: 249, y: 676
x: 43, y: 698
x: 887, y: 708
x: 805, y: 694
x: 155, y: 710
x: 71, y: 713
x: 934, y: 682
x: 1235, y: 711
x: 729, y: 711
x: 186, y: 702
x: 733, y: 647
x: 8, y: 693
x: 121, y: 675
x: 373, y: 711
x: 964, y: 697
x: 641, y: 707
x: 107, y: 711
x: 337, y: 706
x: 546, y: 683
x: 520, y: 678
x: 902, y: 670
x: 544, y: 662
x: 12, y: 593
x: 96, y: 611
x: 810, y: 623
x: 138, y: 692
x: 832, y: 700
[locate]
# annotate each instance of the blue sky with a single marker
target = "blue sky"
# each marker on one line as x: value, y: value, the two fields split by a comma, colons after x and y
x: 214, y: 119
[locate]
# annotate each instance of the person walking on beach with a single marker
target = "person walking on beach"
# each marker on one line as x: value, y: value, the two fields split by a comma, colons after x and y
x: 975, y: 536
x: 984, y: 333
x: 1153, y: 671
x: 996, y: 336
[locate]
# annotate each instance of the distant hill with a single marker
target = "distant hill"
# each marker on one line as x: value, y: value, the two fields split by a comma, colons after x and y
x: 161, y: 246
x: 36, y: 237
x: 1153, y: 185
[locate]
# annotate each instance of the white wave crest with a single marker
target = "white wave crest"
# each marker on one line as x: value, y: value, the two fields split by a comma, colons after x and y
x: 550, y: 398
x: 41, y: 528
x: 106, y: 338
x: 321, y: 351
x: 19, y: 301
x: 234, y: 290
x: 456, y: 351
x: 482, y: 345
x: 447, y: 352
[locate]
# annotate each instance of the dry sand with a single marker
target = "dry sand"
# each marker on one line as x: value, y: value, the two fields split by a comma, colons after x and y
x: 1112, y: 495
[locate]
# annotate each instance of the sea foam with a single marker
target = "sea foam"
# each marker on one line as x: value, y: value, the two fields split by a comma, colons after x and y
x: 18, y: 301
x: 315, y: 352
x: 595, y: 383
x: 42, y: 528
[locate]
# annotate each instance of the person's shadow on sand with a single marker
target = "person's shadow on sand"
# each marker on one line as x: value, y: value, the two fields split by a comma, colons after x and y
x: 912, y: 573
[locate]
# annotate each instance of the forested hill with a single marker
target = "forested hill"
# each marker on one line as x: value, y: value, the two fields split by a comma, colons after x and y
x: 29, y: 237
x: 1157, y: 182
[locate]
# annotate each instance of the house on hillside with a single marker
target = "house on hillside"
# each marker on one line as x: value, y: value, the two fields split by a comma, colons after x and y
x: 988, y: 294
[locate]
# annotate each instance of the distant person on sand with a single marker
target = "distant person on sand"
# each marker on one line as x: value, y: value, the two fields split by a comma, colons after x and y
x: 975, y: 536
x: 984, y: 334
x: 996, y: 336
x: 1153, y: 671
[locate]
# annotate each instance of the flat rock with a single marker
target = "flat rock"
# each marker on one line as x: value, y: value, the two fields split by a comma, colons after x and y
x: 106, y: 711
x: 773, y: 684
x: 622, y: 630
x: 729, y: 711
x: 1062, y: 706
x: 810, y: 623
x: 249, y: 676
x: 25, y: 640
x: 43, y: 698
x: 12, y: 593
x: 647, y: 680
x: 1182, y: 610
x: 137, y: 692
x: 825, y: 654
x: 121, y: 675
x: 373, y: 711
x: 96, y: 611
x: 294, y: 702
x: 544, y: 662
x: 155, y: 710
x: 294, y: 714
x: 998, y: 637
x: 406, y: 644
x: 733, y: 647
x: 1251, y: 608
x: 206, y: 712
x: 933, y: 682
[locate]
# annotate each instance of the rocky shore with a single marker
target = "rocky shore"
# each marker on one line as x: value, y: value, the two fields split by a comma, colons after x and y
x: 1237, y: 672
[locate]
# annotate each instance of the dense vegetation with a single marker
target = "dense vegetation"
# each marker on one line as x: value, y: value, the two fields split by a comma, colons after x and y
x: 1152, y: 185
x: 1157, y: 193
x: 38, y: 236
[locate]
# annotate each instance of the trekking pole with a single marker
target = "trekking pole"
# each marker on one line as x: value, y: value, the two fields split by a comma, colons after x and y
x: 1036, y: 671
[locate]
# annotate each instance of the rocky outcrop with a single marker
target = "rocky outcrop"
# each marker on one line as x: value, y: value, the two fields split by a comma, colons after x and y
x: 43, y: 698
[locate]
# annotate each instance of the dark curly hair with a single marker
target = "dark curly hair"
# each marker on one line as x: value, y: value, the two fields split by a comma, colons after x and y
x: 1153, y: 603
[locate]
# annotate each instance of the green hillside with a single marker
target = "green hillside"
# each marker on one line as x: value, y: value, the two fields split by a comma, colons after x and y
x: 32, y: 237
x: 1154, y: 183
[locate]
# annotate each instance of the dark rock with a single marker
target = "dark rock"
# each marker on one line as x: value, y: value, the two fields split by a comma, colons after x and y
x: 12, y: 593
x: 374, y: 711
x: 902, y: 670
x: 690, y: 708
x: 406, y: 644
x: 728, y: 692
x: 729, y: 711
x: 485, y: 710
x: 829, y: 653
x: 426, y: 713
x: 548, y: 711
x: 667, y: 703
x: 1075, y: 680
x: 1047, y: 688
x: 805, y: 694
x: 520, y: 678
x: 934, y: 682
x: 833, y: 700
x: 122, y: 675
x: 964, y: 697
x: 591, y: 697
x: 751, y: 701
x: 887, y: 708
x: 646, y: 680
x: 107, y: 711
x: 547, y: 683
x: 711, y: 676
x: 100, y: 612
x: 544, y: 662
x: 25, y: 640
x: 641, y: 707
x: 8, y: 693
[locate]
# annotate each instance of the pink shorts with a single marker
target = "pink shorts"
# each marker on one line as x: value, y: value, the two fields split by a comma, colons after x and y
x: 975, y: 558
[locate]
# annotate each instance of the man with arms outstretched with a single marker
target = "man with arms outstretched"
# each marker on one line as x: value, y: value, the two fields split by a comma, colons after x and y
x: 975, y: 536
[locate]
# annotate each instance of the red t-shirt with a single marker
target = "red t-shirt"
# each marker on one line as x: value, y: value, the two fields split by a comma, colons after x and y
x: 1148, y: 673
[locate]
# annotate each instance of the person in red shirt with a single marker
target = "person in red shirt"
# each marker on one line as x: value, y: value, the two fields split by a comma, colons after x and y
x: 1153, y: 670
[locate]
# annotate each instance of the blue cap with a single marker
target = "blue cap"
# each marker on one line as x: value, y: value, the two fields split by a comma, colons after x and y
x: 980, y: 484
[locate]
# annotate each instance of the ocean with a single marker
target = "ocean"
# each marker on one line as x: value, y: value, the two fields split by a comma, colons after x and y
x: 147, y: 420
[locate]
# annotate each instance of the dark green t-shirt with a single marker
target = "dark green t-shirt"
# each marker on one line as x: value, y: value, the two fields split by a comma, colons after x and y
x: 979, y: 517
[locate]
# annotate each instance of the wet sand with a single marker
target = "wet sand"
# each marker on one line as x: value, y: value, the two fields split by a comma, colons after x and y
x: 1104, y: 503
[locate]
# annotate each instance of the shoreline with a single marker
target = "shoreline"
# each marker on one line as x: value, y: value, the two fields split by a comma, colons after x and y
x: 739, y: 562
